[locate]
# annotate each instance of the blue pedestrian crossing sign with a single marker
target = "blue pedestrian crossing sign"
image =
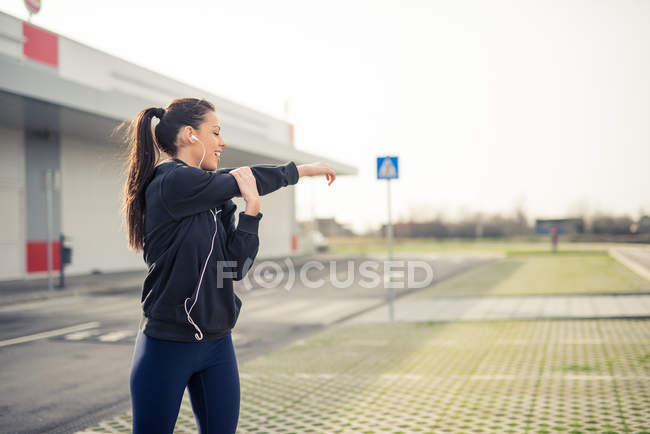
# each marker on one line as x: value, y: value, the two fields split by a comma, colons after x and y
x: 387, y: 168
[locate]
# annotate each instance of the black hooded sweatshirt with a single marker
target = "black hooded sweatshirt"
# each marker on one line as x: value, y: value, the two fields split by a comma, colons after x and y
x: 194, y: 251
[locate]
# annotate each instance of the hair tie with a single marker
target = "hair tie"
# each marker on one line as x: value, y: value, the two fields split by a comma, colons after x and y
x: 159, y: 112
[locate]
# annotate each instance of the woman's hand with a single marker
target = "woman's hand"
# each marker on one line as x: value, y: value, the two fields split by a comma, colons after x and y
x: 248, y: 188
x: 315, y: 169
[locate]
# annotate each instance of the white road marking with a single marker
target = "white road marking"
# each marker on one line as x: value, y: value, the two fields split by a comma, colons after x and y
x: 77, y: 336
x: 116, y: 336
x: 51, y: 333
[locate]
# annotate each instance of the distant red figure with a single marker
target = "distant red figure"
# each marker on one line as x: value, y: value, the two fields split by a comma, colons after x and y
x: 554, y: 234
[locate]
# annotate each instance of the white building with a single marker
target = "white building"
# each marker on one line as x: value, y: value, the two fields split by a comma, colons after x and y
x: 60, y: 102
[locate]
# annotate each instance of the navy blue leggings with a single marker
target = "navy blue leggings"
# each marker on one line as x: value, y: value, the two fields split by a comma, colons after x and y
x: 162, y: 369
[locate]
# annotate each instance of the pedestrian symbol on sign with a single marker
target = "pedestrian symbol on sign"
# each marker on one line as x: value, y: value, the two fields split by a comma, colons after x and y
x: 387, y: 168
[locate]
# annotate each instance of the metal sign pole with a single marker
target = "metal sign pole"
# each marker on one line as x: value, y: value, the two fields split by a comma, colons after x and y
x: 48, y: 196
x: 390, y: 257
x: 387, y: 168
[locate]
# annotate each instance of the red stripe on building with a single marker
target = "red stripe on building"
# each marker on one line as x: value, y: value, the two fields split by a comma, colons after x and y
x: 40, y: 45
x: 37, y: 256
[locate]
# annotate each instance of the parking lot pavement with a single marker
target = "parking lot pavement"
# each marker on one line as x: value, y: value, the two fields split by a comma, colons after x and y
x: 488, y: 376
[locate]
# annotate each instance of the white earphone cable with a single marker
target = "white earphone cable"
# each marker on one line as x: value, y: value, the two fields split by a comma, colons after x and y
x: 203, y: 155
x: 196, y: 138
x: 198, y: 336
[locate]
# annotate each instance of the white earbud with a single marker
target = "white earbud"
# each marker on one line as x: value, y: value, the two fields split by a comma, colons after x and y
x: 197, y: 139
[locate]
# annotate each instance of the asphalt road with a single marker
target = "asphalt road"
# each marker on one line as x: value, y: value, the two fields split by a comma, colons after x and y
x: 66, y: 361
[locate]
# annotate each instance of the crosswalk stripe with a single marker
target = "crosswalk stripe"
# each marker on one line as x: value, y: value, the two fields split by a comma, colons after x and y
x: 116, y: 335
x: 77, y: 336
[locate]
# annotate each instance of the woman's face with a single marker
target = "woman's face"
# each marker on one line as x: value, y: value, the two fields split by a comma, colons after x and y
x: 209, y: 134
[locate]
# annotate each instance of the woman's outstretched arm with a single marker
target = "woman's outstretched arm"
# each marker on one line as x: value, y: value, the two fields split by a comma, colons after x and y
x: 187, y: 190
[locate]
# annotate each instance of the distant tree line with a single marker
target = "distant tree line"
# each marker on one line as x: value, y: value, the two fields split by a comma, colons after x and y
x: 497, y: 226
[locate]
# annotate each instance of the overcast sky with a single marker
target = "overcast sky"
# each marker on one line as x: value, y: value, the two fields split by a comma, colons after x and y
x: 489, y: 105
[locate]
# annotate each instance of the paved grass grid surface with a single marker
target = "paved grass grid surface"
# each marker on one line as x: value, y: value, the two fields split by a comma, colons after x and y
x: 527, y: 274
x: 574, y: 376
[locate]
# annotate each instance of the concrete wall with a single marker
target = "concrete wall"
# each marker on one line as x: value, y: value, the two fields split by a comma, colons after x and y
x: 12, y: 198
x: 42, y: 155
x: 91, y: 184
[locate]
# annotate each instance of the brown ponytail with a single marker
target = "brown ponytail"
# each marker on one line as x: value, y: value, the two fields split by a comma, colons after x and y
x: 143, y: 156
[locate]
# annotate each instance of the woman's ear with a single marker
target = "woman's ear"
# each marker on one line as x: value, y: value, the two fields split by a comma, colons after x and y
x: 187, y: 134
